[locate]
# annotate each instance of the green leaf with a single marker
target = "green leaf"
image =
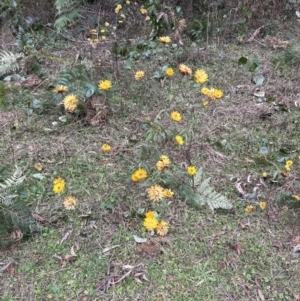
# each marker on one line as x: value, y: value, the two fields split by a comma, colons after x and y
x: 243, y: 60
x: 253, y: 66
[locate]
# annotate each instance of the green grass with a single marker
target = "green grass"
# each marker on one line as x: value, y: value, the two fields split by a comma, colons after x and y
x: 200, y: 261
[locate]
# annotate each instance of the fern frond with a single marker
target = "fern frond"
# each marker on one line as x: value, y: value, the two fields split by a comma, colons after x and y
x: 14, y: 214
x: 206, y: 195
x: 9, y: 62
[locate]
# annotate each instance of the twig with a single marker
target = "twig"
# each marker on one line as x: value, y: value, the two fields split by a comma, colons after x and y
x: 227, y: 294
x: 5, y: 267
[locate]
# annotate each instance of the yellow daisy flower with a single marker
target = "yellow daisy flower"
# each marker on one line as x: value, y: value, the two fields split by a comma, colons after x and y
x: 70, y: 102
x: 200, y: 76
x: 218, y: 93
x: 163, y: 162
x: 165, y: 40
x: 122, y: 16
x: 185, y: 70
x: 288, y: 164
x: 147, y: 18
x: 179, y: 140
x: 150, y: 223
x: 105, y: 147
x: 61, y: 89
x: 162, y: 228
x: 191, y: 170
x: 59, y: 185
x: 70, y: 202
x: 205, y: 91
x: 139, y: 175
x: 264, y: 174
x: 106, y: 24
x: 127, y: 2
x: 205, y: 104
x: 168, y: 193
x: 139, y: 75
x: 262, y: 205
x: 105, y: 85
x: 155, y: 193
x: 249, y: 209
x: 176, y: 116
x: 103, y: 38
x: 93, y: 31
x: 170, y: 72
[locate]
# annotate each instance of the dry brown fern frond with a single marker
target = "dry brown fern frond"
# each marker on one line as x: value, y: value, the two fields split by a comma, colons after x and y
x: 176, y: 35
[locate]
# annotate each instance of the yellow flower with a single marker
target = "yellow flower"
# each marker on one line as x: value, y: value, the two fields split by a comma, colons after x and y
x: 296, y: 197
x: 93, y: 31
x: 127, y: 2
x: 143, y: 11
x: 139, y: 175
x: 179, y: 140
x: 61, y: 89
x: 262, y: 205
x: 205, y: 91
x: 288, y: 164
x: 162, y: 228
x: 200, y: 76
x: 106, y: 147
x: 155, y: 193
x: 59, y: 185
x: 165, y: 40
x: 150, y: 214
x: 168, y: 193
x: 95, y: 41
x: 105, y: 85
x: 163, y: 162
x: 185, y: 70
x: 150, y: 223
x: 102, y: 30
x: 139, y: 75
x: 70, y: 202
x: 249, y: 209
x: 103, y: 38
x: 170, y: 72
x: 106, y: 24
x: 211, y: 93
x: 70, y: 102
x: 176, y: 116
x: 264, y: 174
x: 205, y: 104
x: 118, y: 8
x: 191, y: 170
x: 121, y: 21
x: 122, y: 16
x: 218, y: 93
x: 147, y: 18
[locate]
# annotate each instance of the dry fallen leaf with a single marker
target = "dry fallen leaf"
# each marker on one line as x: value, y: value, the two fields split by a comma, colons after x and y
x: 296, y: 296
x: 296, y: 240
x: 38, y: 166
x: 66, y: 236
x: 68, y: 258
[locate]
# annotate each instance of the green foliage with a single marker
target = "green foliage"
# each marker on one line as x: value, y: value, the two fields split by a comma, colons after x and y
x: 289, y: 57
x: 14, y: 214
x: 9, y: 62
x: 201, y: 193
x: 10, y: 11
x: 3, y: 101
x: 68, y: 12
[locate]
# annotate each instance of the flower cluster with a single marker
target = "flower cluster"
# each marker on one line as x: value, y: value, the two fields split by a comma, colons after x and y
x: 157, y: 193
x: 70, y: 202
x: 151, y: 223
x: 262, y: 205
x: 118, y: 8
x: 59, y: 186
x: 212, y: 93
x: 139, y: 175
x: 163, y: 162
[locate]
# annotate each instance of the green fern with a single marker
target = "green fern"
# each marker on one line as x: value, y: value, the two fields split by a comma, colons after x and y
x: 14, y: 214
x: 68, y: 12
x: 9, y: 62
x: 204, y: 194
x: 77, y: 81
